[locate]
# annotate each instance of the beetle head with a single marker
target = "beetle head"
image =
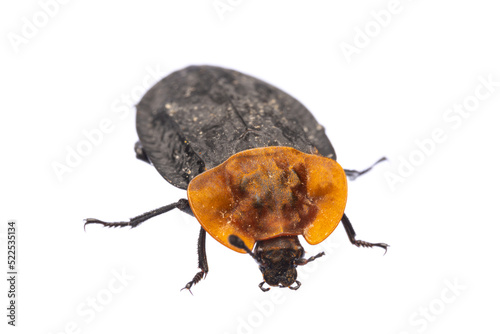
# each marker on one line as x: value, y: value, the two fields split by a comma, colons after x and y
x: 278, y: 259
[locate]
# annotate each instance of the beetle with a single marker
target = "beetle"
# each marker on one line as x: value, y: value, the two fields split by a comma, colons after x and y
x: 258, y: 168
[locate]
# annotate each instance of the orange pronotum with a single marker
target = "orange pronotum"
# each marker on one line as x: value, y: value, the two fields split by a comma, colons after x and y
x: 268, y: 192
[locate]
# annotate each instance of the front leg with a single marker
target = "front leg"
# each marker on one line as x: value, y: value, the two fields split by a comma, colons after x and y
x: 202, y: 261
x: 352, y: 236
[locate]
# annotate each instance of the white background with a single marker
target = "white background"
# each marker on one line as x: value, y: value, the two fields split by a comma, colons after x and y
x: 441, y: 220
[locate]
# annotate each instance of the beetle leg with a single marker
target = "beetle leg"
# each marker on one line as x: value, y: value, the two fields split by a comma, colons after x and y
x: 353, y: 174
x: 140, y: 153
x: 352, y: 236
x: 202, y: 261
x: 182, y: 205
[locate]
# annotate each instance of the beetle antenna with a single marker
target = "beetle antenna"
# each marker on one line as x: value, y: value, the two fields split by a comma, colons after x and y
x: 237, y: 242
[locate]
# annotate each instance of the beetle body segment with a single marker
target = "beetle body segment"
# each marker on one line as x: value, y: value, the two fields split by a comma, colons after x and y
x: 268, y: 192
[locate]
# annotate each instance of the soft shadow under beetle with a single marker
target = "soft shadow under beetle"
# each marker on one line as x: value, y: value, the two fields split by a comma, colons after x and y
x: 258, y: 168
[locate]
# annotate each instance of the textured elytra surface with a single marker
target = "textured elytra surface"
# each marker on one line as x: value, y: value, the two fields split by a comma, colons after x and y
x: 196, y: 118
x: 268, y: 192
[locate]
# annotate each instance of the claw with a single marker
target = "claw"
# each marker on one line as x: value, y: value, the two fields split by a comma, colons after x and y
x: 188, y: 287
x: 196, y: 279
x: 368, y: 244
x: 382, y: 245
x: 90, y: 221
